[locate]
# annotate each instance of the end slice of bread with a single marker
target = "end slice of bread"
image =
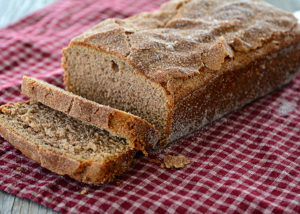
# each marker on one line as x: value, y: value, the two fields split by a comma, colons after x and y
x: 140, y: 134
x: 63, y: 144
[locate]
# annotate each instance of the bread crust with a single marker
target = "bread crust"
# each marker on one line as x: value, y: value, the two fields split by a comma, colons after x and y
x: 140, y: 134
x: 230, y: 91
x: 189, y: 45
x: 189, y: 39
x: 96, y: 172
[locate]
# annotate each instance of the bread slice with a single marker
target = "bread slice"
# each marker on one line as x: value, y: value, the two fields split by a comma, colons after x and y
x: 65, y: 145
x: 186, y: 64
x: 140, y: 134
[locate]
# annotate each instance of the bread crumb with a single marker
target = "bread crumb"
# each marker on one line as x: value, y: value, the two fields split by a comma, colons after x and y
x: 154, y: 161
x: 210, y: 164
x: 19, y: 168
x: 177, y: 162
x: 84, y: 191
x: 118, y: 183
x: 162, y: 166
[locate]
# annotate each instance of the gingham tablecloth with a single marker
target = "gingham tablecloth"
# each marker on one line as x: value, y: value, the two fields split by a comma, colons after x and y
x: 247, y: 162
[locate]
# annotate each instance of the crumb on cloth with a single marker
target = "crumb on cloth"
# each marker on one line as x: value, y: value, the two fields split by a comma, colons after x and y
x: 175, y: 161
x: 154, y: 161
x: 84, y: 191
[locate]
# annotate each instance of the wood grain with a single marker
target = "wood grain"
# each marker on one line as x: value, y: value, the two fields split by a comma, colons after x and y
x: 288, y: 5
x: 10, y: 204
x: 13, y: 10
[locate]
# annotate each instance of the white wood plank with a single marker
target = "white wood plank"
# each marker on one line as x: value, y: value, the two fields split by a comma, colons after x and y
x: 38, y: 208
x: 288, y: 5
x: 6, y: 202
x: 13, y: 10
x: 10, y: 204
x: 19, y: 206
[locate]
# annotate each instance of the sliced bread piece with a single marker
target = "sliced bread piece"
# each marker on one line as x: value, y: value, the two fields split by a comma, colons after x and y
x: 140, y: 134
x: 63, y: 144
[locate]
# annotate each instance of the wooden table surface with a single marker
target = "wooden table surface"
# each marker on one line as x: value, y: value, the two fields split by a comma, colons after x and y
x: 10, y: 204
x: 13, y: 10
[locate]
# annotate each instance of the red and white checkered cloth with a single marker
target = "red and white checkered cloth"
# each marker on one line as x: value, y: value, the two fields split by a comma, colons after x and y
x: 246, y: 162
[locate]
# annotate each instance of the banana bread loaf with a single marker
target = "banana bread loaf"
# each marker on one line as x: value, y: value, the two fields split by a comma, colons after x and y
x: 140, y: 134
x: 186, y: 64
x: 63, y: 144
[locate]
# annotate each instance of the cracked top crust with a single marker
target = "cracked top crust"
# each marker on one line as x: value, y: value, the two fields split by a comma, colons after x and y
x: 185, y: 39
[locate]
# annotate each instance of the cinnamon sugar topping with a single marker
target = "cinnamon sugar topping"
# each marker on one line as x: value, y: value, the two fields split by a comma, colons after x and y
x: 185, y: 37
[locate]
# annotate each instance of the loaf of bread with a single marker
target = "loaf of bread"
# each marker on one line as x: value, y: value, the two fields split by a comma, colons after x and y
x: 186, y: 64
x: 140, y: 134
x: 65, y: 145
x: 70, y: 135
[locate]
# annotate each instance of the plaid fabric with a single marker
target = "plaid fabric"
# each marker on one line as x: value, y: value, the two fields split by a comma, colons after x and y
x: 246, y: 162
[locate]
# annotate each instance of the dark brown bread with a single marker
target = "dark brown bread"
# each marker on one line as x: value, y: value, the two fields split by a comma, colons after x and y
x: 188, y: 63
x: 139, y: 133
x: 65, y: 145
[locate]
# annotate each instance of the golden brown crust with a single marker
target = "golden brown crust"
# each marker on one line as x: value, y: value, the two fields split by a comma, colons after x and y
x: 96, y: 172
x: 233, y: 90
x: 195, y: 48
x: 189, y: 39
x: 140, y: 134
